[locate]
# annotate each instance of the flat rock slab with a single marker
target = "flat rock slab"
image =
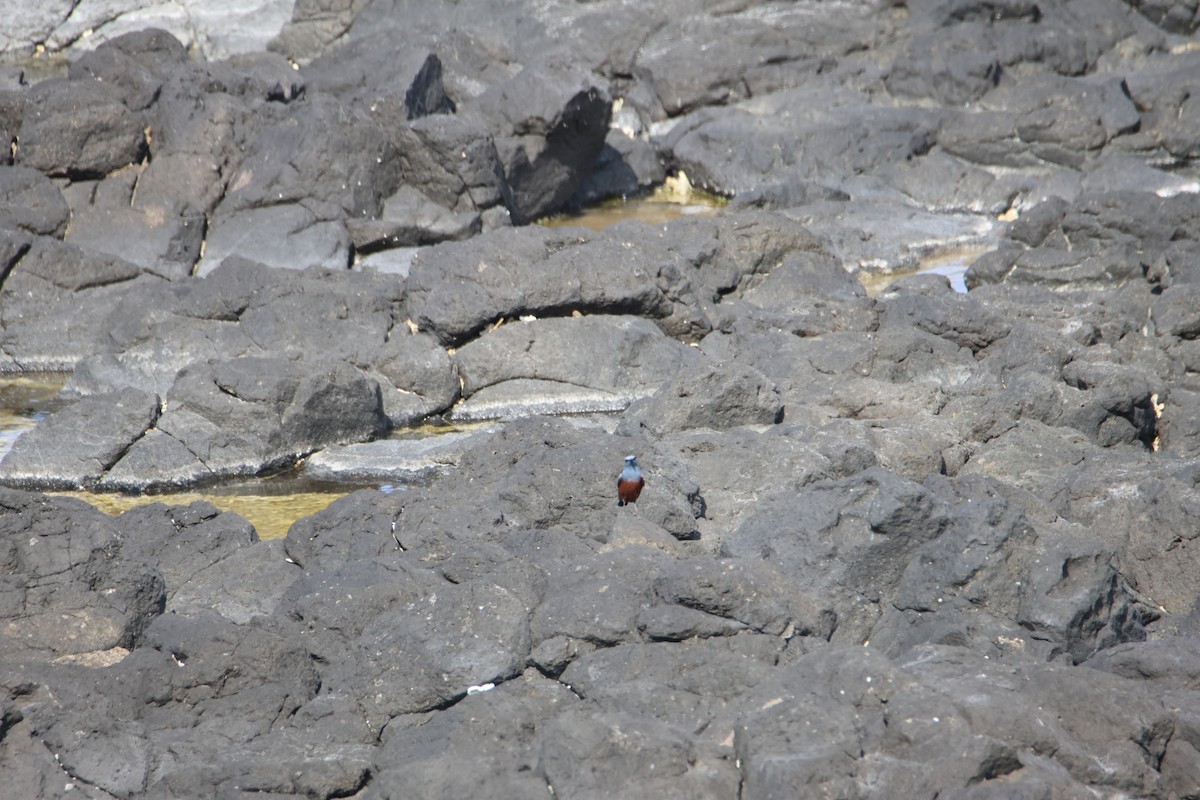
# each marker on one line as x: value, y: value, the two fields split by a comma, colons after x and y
x: 569, y: 365
x: 76, y: 446
x: 528, y: 397
x: 408, y: 460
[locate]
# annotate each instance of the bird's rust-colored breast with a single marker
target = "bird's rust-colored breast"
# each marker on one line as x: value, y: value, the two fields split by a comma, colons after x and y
x: 628, y: 491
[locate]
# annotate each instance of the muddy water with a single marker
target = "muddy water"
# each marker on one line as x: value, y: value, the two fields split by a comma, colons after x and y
x: 270, y: 504
x: 671, y: 201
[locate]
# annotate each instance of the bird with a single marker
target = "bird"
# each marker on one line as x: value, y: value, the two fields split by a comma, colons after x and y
x: 629, y: 482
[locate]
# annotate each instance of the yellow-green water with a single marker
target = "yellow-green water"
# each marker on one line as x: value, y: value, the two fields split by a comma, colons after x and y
x: 271, y: 514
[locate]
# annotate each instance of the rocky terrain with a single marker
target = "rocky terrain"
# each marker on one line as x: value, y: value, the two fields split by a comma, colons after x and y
x: 922, y: 543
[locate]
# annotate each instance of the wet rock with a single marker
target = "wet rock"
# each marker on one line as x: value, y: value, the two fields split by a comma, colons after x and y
x: 247, y: 416
x: 77, y: 446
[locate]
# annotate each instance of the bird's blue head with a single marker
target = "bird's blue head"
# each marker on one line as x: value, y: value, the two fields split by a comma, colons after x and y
x: 631, y: 471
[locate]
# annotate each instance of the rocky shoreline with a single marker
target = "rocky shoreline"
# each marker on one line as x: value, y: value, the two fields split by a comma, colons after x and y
x: 917, y: 544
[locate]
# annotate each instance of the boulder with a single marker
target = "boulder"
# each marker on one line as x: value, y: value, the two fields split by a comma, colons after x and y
x: 69, y: 589
x: 455, y: 290
x: 31, y: 202
x: 248, y: 416
x: 80, y: 129
x: 550, y: 122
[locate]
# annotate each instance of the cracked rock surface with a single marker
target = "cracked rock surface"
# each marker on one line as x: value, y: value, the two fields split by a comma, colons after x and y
x: 907, y: 542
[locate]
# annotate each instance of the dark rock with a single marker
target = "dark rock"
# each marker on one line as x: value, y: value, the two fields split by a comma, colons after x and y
x: 31, y: 202
x: 814, y: 293
x: 76, y: 446
x: 408, y: 219
x: 404, y: 631
x: 741, y: 462
x: 961, y: 566
x: 460, y: 750
x: 79, y: 129
x: 68, y: 588
x: 203, y: 553
x: 46, y: 324
x: 747, y: 54
x: 1173, y: 663
x: 717, y: 396
x: 626, y: 167
x: 1035, y: 225
x: 614, y: 359
x: 791, y: 194
x: 1016, y: 128
x: 286, y: 184
x: 831, y: 133
x: 644, y: 754
x: 248, y: 416
x: 1181, y: 18
x: 105, y: 221
x: 219, y: 688
x: 880, y: 522
x: 922, y: 694
x: 299, y: 240
x: 550, y: 123
x: 454, y: 290
x: 1165, y: 93
x: 244, y: 309
x: 369, y: 69
x: 136, y: 63
x: 420, y: 378
x: 451, y: 158
x: 316, y: 542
